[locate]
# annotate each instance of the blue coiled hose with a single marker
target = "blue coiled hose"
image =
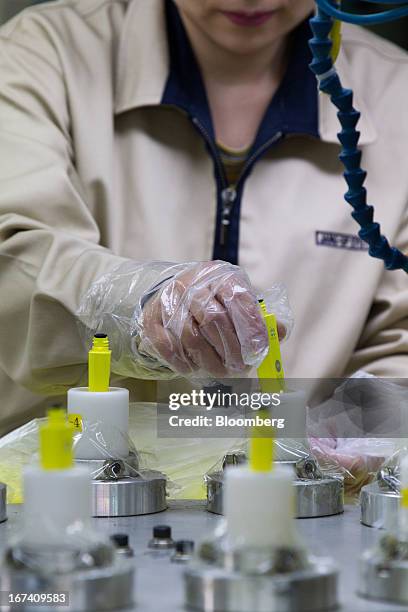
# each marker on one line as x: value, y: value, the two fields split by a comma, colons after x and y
x: 329, y: 83
x: 331, y: 9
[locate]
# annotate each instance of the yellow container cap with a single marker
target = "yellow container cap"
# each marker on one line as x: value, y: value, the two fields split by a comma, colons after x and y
x: 56, y: 441
x: 99, y: 363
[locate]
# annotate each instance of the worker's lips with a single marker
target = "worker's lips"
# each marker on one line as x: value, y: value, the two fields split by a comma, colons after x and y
x: 248, y: 19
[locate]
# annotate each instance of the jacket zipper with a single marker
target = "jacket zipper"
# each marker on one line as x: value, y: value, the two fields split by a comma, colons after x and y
x: 228, y: 197
x: 229, y: 193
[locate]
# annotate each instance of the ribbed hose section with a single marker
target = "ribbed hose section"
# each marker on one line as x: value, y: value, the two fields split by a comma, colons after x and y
x: 329, y: 83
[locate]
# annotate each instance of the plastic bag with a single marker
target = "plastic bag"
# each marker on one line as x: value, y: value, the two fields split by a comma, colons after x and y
x: 193, y: 319
x: 20, y: 448
x: 108, y: 464
x: 183, y: 461
x: 277, y: 302
x: 356, y: 430
x: 17, y: 450
x: 288, y: 450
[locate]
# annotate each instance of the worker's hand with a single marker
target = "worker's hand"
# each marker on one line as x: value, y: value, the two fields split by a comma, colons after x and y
x: 206, y: 319
x: 357, y: 459
x: 356, y: 429
x: 191, y: 319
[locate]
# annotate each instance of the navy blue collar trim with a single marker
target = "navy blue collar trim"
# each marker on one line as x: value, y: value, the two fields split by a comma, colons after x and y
x: 184, y: 88
x: 293, y: 108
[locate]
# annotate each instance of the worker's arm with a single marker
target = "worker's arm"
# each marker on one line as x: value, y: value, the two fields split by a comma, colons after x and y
x: 49, y: 252
x: 193, y: 317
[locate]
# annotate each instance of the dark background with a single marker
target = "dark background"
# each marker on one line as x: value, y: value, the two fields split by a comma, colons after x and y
x: 396, y: 31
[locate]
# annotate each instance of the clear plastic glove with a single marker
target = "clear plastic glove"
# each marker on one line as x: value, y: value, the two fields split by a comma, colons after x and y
x: 356, y: 459
x: 195, y: 319
x: 359, y: 427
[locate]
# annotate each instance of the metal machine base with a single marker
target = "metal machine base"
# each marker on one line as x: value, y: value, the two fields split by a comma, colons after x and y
x: 384, y: 573
x: 314, y: 497
x: 100, y: 589
x: 129, y: 496
x: 216, y: 590
x: 120, y: 488
x: 3, y: 502
x: 379, y: 507
x: 259, y: 581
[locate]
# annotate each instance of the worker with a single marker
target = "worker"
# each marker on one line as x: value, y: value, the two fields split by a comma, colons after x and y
x: 164, y: 162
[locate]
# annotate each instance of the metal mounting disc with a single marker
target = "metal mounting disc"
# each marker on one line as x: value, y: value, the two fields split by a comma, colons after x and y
x: 379, y: 508
x: 95, y: 590
x: 383, y: 580
x: 314, y: 498
x: 129, y: 496
x: 215, y: 589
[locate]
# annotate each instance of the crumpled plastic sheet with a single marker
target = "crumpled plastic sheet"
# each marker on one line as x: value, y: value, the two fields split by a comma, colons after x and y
x: 350, y: 435
x: 286, y: 449
x: 183, y: 461
x: 359, y: 428
x: 20, y: 448
x: 17, y: 449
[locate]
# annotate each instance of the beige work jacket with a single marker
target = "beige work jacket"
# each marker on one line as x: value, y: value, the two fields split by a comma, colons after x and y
x: 93, y: 171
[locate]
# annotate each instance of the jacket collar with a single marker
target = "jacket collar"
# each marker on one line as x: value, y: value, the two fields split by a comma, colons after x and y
x: 143, y: 59
x: 144, y: 64
x: 329, y: 124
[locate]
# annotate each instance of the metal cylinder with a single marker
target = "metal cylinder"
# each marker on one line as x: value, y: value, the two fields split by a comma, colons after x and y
x: 129, y: 496
x: 314, y: 497
x: 97, y: 590
x: 384, y: 571
x: 379, y: 507
x: 222, y: 579
x: 217, y: 590
x: 121, y: 488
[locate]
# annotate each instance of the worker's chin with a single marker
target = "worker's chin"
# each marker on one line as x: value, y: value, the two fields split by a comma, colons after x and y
x: 246, y: 40
x: 246, y: 45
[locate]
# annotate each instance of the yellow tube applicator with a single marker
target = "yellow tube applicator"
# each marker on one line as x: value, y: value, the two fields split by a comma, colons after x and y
x: 261, y: 450
x: 271, y: 379
x: 270, y: 372
x: 99, y: 363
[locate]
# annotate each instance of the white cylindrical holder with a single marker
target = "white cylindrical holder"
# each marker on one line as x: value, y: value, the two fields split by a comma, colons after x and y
x: 53, y: 501
x: 105, y: 417
x: 259, y: 507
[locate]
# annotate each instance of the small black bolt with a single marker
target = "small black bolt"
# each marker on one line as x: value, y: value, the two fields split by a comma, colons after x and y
x: 162, y: 532
x: 120, y: 539
x: 184, y: 547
